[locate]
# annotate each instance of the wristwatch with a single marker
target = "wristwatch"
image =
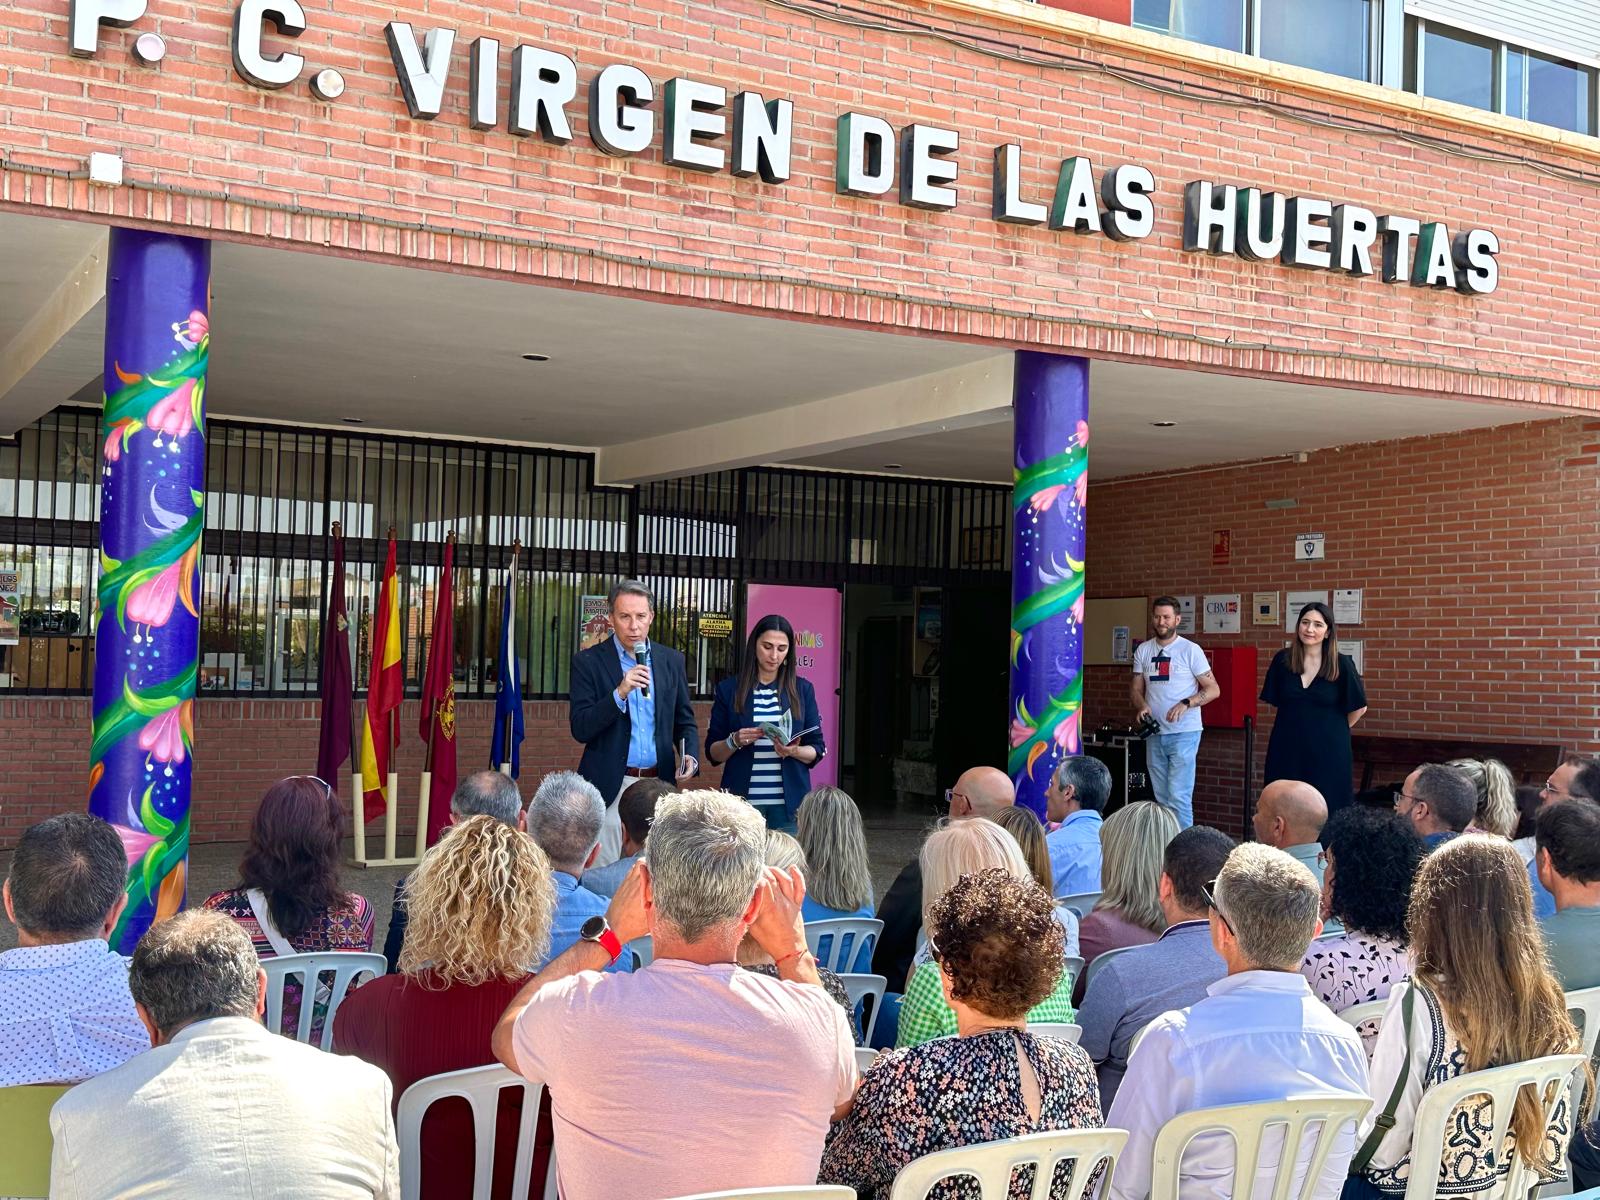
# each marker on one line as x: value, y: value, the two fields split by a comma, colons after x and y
x: 598, y: 929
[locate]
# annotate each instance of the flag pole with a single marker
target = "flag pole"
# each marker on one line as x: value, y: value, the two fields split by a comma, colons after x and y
x: 511, y: 615
x: 427, y: 750
x: 358, y: 826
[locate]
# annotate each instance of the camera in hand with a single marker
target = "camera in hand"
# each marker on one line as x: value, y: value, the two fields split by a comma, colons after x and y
x: 1148, y: 725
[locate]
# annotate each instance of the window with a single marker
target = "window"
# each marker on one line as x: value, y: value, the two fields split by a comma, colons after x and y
x: 1448, y: 64
x: 1326, y: 35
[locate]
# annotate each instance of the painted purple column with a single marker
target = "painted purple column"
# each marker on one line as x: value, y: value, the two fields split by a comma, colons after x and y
x: 1050, y: 420
x: 147, y: 640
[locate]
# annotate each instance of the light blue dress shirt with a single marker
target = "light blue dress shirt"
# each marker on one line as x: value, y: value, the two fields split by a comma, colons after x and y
x: 641, y: 712
x: 1075, y: 853
x: 1544, y: 904
x: 575, y: 904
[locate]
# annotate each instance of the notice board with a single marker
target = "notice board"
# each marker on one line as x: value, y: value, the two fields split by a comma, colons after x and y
x: 1101, y: 621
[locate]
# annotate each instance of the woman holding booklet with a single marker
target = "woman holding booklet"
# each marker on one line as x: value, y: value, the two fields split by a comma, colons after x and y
x: 765, y: 730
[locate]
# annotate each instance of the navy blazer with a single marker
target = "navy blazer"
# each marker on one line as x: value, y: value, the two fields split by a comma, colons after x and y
x: 605, y: 730
x: 736, y: 771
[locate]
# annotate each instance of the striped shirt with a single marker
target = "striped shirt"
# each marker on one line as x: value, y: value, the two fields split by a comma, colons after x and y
x: 766, y: 773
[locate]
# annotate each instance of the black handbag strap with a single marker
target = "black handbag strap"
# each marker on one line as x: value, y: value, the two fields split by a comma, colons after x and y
x: 1385, y: 1120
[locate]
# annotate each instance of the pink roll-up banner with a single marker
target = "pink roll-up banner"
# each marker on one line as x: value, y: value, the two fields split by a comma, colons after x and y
x: 816, y: 614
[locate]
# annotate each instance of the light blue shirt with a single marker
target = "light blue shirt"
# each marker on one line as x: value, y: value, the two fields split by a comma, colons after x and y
x: 1075, y: 853
x: 641, y: 710
x: 1544, y: 904
x: 575, y: 904
x: 604, y: 881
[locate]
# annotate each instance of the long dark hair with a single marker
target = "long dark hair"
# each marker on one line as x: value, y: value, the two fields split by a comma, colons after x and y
x: 293, y: 855
x: 748, y: 669
x: 1330, y: 645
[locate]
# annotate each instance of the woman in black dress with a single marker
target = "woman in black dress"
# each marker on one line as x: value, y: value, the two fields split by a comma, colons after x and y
x: 1318, y: 694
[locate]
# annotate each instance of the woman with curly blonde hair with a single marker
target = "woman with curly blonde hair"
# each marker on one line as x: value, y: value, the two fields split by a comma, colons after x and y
x: 481, y: 904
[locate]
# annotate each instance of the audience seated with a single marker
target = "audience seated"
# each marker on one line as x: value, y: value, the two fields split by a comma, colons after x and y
x: 289, y: 899
x: 220, y: 1107
x: 65, y: 1009
x: 1480, y: 994
x: 1259, y: 1035
x: 1128, y: 912
x: 481, y: 902
x: 635, y: 814
x: 1497, y: 795
x: 1439, y: 801
x: 1568, y: 834
x: 838, y: 871
x: 783, y: 853
x: 1074, y: 800
x: 1577, y: 778
x: 1022, y: 825
x: 1000, y: 956
x: 564, y: 817
x: 949, y: 853
x: 691, y: 1075
x: 488, y: 792
x: 980, y: 792
x: 1289, y: 816
x: 1529, y: 798
x: 1132, y: 989
x: 1372, y: 858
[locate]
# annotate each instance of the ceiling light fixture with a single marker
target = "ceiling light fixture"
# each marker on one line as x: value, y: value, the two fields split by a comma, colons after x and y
x: 535, y: 358
x: 891, y: 466
x: 1163, y: 424
x: 353, y: 420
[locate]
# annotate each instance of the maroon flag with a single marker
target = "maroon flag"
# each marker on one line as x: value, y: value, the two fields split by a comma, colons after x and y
x: 438, y: 726
x: 338, y: 689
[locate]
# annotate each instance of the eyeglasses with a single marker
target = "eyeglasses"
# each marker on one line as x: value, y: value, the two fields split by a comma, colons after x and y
x: 933, y: 948
x: 951, y: 794
x: 326, y: 786
x: 1399, y: 796
x: 1550, y: 789
x: 1209, y: 891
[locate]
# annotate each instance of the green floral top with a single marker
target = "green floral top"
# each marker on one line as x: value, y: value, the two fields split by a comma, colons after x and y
x: 924, y: 1015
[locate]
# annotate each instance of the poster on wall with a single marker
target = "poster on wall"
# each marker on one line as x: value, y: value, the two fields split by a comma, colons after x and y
x: 1185, y: 615
x: 1347, y: 606
x: 1121, y: 644
x: 1222, y: 613
x: 594, y: 621
x: 1264, y: 606
x: 1357, y: 652
x: 1293, y: 602
x: 815, y: 613
x: 10, y: 608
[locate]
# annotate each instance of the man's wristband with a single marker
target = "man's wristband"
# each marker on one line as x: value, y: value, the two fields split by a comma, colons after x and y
x: 800, y: 953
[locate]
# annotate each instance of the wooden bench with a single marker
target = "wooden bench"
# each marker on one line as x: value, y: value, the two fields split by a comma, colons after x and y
x: 1384, y: 760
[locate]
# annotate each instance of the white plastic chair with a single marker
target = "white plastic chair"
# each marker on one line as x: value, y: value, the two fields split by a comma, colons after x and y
x: 1072, y: 967
x: 1371, y: 1010
x: 1058, y: 1029
x: 1081, y: 903
x: 816, y: 1191
x: 865, y: 1057
x: 1501, y: 1085
x: 1099, y: 960
x: 859, y: 987
x: 643, y: 950
x: 846, y: 938
x: 480, y: 1087
x: 1138, y: 1037
x: 992, y: 1164
x: 1584, y: 1005
x: 1247, y: 1125
x: 343, y: 965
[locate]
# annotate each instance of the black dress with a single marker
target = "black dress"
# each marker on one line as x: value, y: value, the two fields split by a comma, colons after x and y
x: 1311, y: 733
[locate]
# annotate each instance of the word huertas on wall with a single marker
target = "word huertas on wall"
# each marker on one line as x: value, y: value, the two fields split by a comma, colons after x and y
x: 701, y: 127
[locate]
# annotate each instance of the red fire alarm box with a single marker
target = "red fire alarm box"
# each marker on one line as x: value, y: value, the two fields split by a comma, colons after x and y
x: 1235, y: 670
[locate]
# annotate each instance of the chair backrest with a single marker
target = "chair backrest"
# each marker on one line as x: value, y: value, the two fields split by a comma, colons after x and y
x: 480, y: 1087
x: 1081, y: 903
x: 1365, y: 1018
x: 25, y: 1144
x: 1584, y: 1005
x: 1247, y: 1125
x: 858, y: 988
x: 992, y: 1164
x: 1058, y: 1029
x: 1100, y: 960
x: 1548, y: 1076
x: 337, y: 969
x: 815, y: 1191
x: 643, y: 950
x: 1137, y: 1038
x: 837, y: 942
x: 1072, y: 967
x: 865, y: 1057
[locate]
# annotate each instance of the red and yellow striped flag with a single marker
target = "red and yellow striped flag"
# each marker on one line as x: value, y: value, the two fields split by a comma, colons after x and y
x: 380, y: 732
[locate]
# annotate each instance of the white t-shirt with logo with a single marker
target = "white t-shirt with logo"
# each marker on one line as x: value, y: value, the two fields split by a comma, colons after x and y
x: 1170, y: 674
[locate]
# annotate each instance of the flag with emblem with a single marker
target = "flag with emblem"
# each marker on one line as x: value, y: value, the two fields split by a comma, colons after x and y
x: 380, y: 732
x: 439, y: 700
x: 338, y: 684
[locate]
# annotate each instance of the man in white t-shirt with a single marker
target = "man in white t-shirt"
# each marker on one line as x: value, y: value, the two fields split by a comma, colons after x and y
x: 1171, y: 680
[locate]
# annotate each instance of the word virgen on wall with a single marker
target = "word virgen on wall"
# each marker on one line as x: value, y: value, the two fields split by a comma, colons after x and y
x: 918, y: 161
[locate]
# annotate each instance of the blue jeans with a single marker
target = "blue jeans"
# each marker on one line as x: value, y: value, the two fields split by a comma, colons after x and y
x: 1170, y: 759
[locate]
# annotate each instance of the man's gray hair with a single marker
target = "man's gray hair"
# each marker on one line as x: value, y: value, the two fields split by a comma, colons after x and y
x: 192, y: 967
x: 489, y: 793
x: 1089, y: 777
x: 631, y: 587
x: 564, y: 817
x: 1272, y: 901
x: 706, y: 854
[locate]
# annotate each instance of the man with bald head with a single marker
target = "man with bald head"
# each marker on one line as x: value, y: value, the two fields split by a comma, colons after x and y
x: 980, y: 792
x: 1289, y: 817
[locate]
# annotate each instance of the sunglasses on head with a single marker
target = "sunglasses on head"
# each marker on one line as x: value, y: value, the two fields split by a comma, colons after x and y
x: 1209, y: 891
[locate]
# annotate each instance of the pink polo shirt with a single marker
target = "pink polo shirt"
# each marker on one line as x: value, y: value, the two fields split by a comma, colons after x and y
x: 684, y: 1078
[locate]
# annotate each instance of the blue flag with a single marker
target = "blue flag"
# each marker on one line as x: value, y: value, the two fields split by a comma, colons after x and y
x: 508, y: 694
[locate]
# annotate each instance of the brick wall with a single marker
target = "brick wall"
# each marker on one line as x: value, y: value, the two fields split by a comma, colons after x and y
x: 1476, y: 552
x: 243, y: 746
x: 206, y: 152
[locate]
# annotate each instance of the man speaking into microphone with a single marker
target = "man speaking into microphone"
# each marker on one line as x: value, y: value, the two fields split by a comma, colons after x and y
x: 630, y: 709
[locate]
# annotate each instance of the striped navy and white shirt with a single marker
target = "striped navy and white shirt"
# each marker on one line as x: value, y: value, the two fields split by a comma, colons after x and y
x: 766, y: 773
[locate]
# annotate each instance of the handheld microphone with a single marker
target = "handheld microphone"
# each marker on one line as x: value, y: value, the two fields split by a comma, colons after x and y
x: 641, y: 654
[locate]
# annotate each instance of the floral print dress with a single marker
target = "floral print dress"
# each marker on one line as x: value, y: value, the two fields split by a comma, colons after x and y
x: 959, y: 1091
x: 1355, y: 968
